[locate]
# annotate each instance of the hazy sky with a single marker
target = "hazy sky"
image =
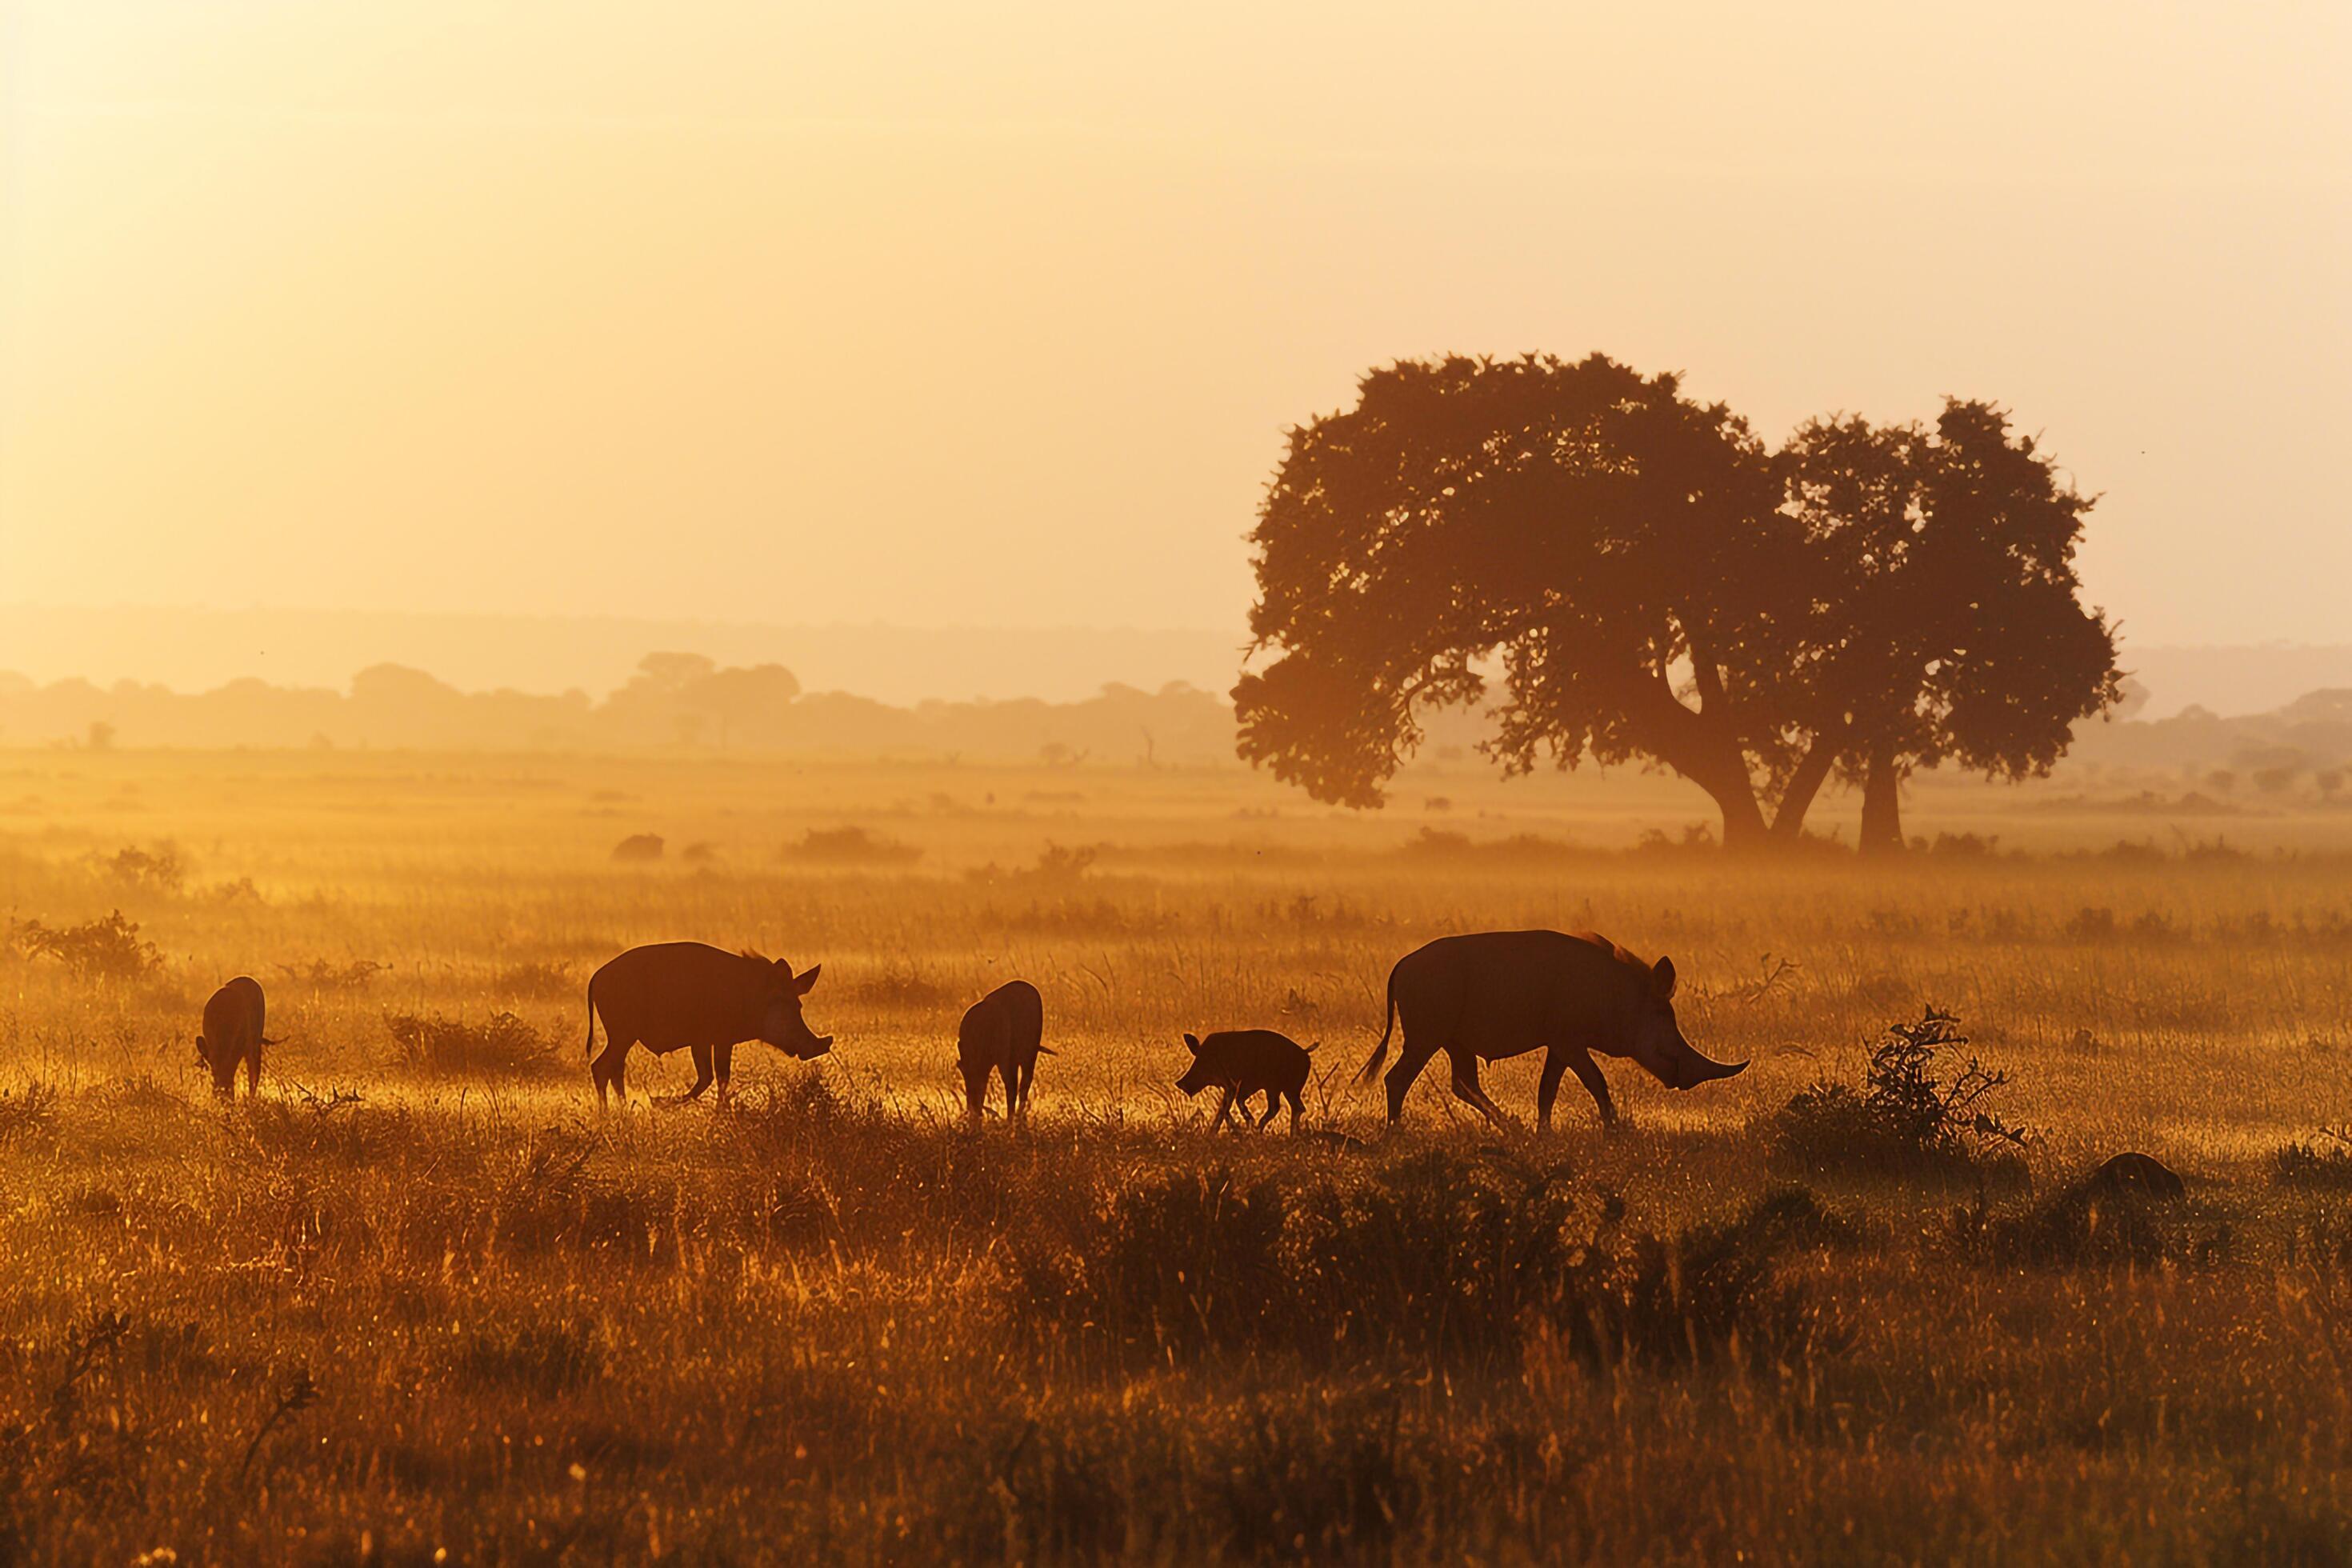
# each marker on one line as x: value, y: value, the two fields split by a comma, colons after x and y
x: 960, y: 314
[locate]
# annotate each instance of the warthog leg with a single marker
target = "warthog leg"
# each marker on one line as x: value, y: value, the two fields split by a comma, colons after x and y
x: 1548, y: 1086
x: 701, y: 1074
x: 1273, y: 1107
x: 1411, y: 1057
x: 1224, y: 1108
x: 1588, y: 1075
x: 611, y: 1069
x: 722, y: 1057
x: 1466, y: 1088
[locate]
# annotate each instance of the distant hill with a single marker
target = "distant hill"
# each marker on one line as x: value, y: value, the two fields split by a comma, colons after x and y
x: 199, y: 649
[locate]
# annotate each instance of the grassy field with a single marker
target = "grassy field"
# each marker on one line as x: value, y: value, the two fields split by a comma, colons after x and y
x: 410, y: 1304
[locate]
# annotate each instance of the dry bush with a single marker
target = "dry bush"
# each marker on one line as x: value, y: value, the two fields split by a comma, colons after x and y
x: 639, y: 847
x: 26, y: 1110
x: 904, y: 985
x: 160, y: 868
x: 1437, y: 1257
x: 2325, y: 1166
x: 106, y: 949
x: 537, y: 979
x: 1919, y: 1108
x: 2088, y: 1224
x: 335, y: 975
x: 850, y: 845
x: 503, y: 1046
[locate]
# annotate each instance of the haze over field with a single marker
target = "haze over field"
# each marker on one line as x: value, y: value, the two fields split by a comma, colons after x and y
x: 906, y: 312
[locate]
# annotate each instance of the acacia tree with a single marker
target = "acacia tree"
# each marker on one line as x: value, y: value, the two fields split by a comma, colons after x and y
x: 1620, y: 550
x: 1948, y: 621
x: 1652, y: 585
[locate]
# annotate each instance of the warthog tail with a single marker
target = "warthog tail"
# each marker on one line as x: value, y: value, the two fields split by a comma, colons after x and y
x: 1380, y: 1052
x: 1047, y: 1051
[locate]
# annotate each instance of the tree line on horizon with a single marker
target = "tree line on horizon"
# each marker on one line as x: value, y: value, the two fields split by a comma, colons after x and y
x: 676, y: 702
x: 1646, y: 581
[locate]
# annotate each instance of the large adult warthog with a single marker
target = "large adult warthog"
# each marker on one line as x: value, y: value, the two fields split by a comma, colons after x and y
x: 1491, y: 994
x: 707, y: 1000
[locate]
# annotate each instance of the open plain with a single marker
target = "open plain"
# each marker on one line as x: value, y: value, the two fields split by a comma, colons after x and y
x: 420, y: 1302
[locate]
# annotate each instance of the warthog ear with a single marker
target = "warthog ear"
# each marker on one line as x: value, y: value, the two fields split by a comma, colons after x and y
x: 1662, y: 979
x: 1192, y: 1044
x: 807, y: 979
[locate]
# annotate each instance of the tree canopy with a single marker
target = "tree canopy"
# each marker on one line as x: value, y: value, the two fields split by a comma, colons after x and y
x: 1649, y: 581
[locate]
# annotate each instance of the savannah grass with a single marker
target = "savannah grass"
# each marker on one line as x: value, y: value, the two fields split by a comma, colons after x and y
x: 407, y: 1303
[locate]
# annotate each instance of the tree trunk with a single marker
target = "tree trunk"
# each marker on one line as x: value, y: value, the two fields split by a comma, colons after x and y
x: 1882, y: 804
x: 1804, y: 784
x: 1743, y: 820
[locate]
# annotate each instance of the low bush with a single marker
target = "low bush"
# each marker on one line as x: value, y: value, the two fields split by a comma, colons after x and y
x: 1913, y: 1108
x: 2088, y: 1225
x: 1437, y: 1257
x: 850, y: 845
x: 502, y: 1046
x: 2325, y: 1166
x: 331, y: 975
x: 539, y: 981
x: 108, y: 948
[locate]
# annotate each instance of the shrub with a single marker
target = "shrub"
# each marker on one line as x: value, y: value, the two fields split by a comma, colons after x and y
x: 325, y: 974
x: 157, y: 869
x: 851, y: 846
x: 1437, y: 1257
x: 28, y: 1111
x: 108, y: 948
x: 903, y: 985
x: 1912, y: 1108
x: 2087, y: 1224
x: 539, y: 979
x: 504, y: 1046
x: 2328, y: 1167
x: 545, y: 1358
x: 638, y: 847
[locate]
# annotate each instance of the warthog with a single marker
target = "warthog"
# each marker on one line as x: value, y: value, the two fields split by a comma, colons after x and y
x: 1491, y: 994
x: 1003, y: 1033
x: 1247, y: 1062
x: 233, y: 1023
x: 676, y: 994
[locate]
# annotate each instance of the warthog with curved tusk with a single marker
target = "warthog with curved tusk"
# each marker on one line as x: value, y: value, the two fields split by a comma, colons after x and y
x: 673, y: 994
x: 1491, y: 994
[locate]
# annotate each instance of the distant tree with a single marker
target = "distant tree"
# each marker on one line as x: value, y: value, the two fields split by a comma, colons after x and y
x: 741, y: 700
x: 1617, y: 548
x: 1948, y: 622
x: 1651, y: 584
x: 99, y: 736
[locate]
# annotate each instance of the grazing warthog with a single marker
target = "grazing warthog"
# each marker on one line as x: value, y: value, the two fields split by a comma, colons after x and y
x: 1491, y: 994
x: 1245, y: 1062
x: 707, y: 1000
x: 1003, y: 1033
x: 231, y: 1034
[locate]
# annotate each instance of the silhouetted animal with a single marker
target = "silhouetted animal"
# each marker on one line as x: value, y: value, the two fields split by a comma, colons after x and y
x: 1491, y: 994
x: 1001, y: 1033
x: 2137, y: 1173
x: 233, y: 1034
x: 1245, y: 1062
x: 676, y: 994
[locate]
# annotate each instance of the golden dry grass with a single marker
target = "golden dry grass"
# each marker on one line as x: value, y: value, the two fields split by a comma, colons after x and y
x: 836, y: 1324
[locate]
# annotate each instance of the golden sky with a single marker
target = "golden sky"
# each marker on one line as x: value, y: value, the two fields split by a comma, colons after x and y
x: 993, y: 315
